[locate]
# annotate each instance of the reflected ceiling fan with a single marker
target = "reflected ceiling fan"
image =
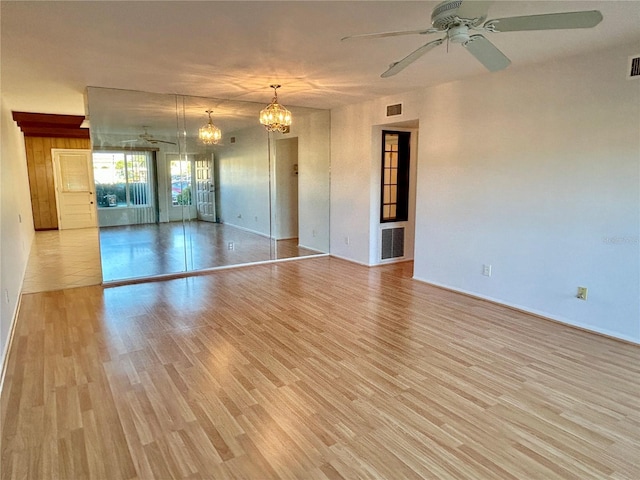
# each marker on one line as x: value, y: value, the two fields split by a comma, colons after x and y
x: 149, y: 138
x: 459, y: 19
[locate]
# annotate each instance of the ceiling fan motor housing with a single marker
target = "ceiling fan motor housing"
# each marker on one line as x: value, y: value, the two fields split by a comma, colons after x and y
x: 445, y: 16
x: 459, y: 34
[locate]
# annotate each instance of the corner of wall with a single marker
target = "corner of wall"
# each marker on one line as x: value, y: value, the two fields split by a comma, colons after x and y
x: 16, y: 224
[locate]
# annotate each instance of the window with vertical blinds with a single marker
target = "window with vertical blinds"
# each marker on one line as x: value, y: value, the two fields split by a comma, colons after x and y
x: 122, y: 179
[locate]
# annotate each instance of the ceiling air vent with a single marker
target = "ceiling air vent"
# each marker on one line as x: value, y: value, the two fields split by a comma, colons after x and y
x: 393, y: 110
x: 634, y: 67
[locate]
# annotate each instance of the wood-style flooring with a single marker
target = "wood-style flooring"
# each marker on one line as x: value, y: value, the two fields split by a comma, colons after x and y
x: 313, y: 369
x: 135, y: 251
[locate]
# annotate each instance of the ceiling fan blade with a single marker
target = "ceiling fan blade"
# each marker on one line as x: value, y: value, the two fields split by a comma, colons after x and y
x: 551, y: 21
x: 162, y: 141
x: 474, y: 9
x: 397, y: 67
x: 391, y: 34
x: 487, y: 53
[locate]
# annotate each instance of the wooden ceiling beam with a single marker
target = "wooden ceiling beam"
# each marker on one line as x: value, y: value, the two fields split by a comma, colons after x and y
x: 50, y: 125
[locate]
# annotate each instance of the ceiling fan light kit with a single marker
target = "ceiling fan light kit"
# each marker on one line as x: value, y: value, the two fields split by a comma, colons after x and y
x: 459, y: 19
x: 459, y: 34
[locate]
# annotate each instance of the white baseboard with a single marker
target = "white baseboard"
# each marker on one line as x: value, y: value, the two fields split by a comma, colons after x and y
x: 245, y: 229
x: 537, y: 313
x: 350, y: 260
x: 9, y: 342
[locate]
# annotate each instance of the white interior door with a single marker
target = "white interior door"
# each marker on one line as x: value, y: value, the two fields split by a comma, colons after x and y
x: 205, y: 189
x: 75, y: 197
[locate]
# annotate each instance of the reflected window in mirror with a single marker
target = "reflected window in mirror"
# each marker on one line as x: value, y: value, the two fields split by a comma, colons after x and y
x: 122, y: 178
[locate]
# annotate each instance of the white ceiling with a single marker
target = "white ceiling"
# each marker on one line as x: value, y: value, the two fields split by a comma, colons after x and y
x: 51, y: 51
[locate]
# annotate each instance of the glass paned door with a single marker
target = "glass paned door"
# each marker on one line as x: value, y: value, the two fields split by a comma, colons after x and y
x: 181, y: 174
x: 205, y: 189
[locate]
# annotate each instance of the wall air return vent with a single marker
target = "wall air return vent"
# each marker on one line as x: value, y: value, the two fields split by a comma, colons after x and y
x: 392, y: 243
x: 393, y: 110
x: 634, y: 67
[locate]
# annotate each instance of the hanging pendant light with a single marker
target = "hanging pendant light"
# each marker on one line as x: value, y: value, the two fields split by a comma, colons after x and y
x: 274, y: 116
x: 209, y: 134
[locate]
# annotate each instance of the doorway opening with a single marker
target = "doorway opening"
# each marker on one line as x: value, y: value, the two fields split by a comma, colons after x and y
x: 286, y: 187
x: 398, y: 146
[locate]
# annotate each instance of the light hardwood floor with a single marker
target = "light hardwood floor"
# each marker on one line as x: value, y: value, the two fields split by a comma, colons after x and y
x: 314, y: 369
x: 76, y: 258
x: 155, y: 249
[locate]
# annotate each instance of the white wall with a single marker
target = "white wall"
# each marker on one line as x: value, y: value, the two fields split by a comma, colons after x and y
x: 244, y: 180
x: 535, y: 171
x: 314, y: 161
x: 351, y: 184
x: 16, y: 222
x: 355, y: 174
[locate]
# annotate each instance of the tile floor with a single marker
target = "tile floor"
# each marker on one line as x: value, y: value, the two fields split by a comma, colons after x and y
x: 63, y: 259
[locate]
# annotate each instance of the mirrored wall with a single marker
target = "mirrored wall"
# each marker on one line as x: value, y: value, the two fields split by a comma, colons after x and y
x: 169, y: 203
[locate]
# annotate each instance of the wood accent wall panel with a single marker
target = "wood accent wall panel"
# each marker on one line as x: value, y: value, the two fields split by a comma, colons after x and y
x: 41, y: 182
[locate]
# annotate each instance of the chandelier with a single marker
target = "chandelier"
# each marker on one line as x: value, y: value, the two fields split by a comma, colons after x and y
x: 274, y: 116
x: 209, y: 134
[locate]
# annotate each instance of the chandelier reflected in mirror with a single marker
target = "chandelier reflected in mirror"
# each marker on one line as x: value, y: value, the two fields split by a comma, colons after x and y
x: 209, y: 134
x: 274, y: 116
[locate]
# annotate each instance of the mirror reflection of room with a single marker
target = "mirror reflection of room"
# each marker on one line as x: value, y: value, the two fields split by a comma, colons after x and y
x: 170, y: 200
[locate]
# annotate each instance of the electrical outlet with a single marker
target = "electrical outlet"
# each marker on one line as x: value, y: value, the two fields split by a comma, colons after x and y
x: 582, y: 293
x: 314, y: 233
x: 347, y: 241
x: 486, y: 270
x: 230, y: 246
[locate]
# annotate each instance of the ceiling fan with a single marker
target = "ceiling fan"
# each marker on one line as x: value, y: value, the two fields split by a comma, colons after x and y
x: 458, y: 19
x: 149, y: 138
